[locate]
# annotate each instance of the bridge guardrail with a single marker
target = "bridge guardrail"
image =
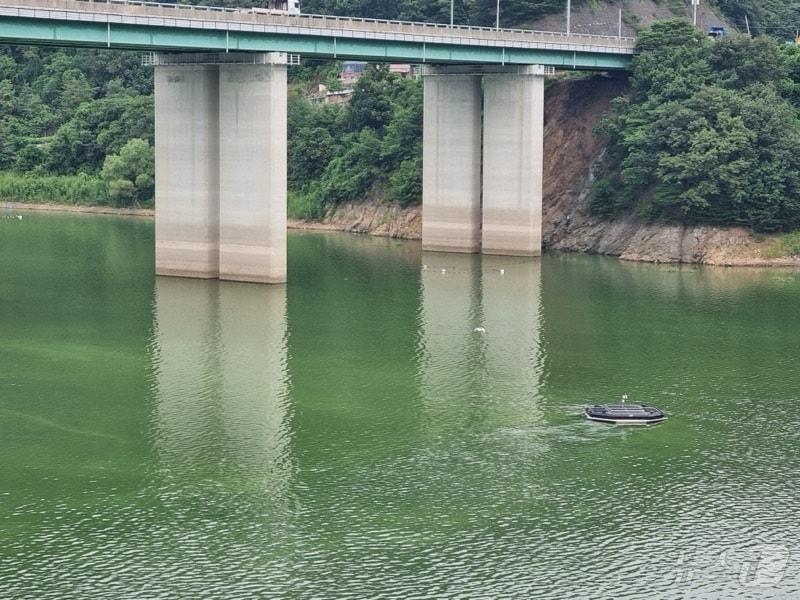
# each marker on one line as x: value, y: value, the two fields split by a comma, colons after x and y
x: 354, y: 24
x: 244, y: 19
x: 344, y: 19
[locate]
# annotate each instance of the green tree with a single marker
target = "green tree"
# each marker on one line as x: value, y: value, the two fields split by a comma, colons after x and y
x: 75, y: 90
x: 99, y: 128
x: 7, y: 99
x: 371, y: 104
x: 353, y: 174
x: 778, y: 18
x: 405, y: 183
x: 739, y: 61
x: 130, y: 175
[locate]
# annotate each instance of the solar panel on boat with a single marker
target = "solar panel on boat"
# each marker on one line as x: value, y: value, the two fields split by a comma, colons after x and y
x: 624, y: 413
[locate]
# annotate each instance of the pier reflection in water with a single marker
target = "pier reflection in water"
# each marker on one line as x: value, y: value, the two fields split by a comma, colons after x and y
x: 479, y: 338
x: 221, y: 423
x: 220, y: 359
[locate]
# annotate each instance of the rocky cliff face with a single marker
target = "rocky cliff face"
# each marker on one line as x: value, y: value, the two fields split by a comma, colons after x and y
x: 373, y: 217
x: 573, y: 108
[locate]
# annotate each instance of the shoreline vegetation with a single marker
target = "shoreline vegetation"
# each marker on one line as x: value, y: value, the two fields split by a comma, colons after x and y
x: 391, y: 220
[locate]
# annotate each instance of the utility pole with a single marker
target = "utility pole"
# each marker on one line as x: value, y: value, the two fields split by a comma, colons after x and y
x: 695, y: 4
x: 497, y: 23
x: 452, y: 2
x: 619, y: 22
x: 569, y: 15
x: 747, y: 22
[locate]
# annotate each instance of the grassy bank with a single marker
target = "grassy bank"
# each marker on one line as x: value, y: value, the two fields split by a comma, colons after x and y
x: 68, y: 190
x: 78, y: 190
x: 302, y: 207
x: 787, y: 244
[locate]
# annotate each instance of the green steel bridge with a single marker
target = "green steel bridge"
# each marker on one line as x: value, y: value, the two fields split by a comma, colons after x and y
x: 148, y: 26
x: 220, y: 94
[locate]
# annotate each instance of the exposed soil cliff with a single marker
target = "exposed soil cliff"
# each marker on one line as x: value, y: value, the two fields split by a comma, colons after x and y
x: 375, y: 218
x: 572, y: 152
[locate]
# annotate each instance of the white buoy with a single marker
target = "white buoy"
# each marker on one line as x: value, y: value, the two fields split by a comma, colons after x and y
x: 444, y: 271
x: 479, y: 330
x: 502, y: 271
x: 424, y: 267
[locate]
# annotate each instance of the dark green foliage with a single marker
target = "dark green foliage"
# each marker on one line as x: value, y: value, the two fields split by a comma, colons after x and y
x: 130, y: 175
x: 739, y: 62
x: 405, y: 183
x: 370, y: 148
x: 64, y: 111
x: 100, y: 128
x: 710, y: 133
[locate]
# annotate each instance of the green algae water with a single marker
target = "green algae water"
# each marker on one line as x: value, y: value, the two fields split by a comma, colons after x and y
x: 390, y: 424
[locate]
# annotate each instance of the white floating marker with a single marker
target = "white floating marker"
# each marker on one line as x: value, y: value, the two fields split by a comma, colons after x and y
x: 479, y: 330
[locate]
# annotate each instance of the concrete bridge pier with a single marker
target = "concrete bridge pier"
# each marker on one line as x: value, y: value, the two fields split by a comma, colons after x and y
x: 513, y: 154
x: 221, y: 166
x: 253, y: 138
x: 187, y: 170
x: 451, y: 158
x: 483, y: 160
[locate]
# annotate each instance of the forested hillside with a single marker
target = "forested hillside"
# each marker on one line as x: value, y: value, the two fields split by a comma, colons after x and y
x: 369, y: 148
x: 69, y: 113
x: 710, y: 133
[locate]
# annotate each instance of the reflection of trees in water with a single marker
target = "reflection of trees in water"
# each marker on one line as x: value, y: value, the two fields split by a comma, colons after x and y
x: 671, y: 279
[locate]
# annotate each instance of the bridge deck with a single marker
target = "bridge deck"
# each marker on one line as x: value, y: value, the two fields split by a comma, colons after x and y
x: 153, y: 26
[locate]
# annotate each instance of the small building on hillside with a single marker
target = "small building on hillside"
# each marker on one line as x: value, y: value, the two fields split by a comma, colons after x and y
x: 325, y: 96
x: 403, y: 70
x: 352, y: 70
x: 285, y: 6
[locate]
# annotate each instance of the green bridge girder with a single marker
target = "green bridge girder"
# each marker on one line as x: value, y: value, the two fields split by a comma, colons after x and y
x: 37, y: 31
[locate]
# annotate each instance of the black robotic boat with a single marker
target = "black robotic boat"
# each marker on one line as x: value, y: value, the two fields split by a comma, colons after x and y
x: 625, y: 414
